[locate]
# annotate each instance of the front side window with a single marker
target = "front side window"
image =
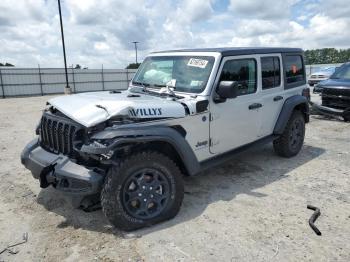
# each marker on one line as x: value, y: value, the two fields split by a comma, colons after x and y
x: 189, y: 73
x: 294, y: 69
x: 242, y: 71
x: 270, y: 72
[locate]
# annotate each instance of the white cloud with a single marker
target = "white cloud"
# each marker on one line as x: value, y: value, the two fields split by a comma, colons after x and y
x: 254, y: 27
x: 101, y: 31
x: 334, y: 8
x: 302, y: 18
x: 267, y: 9
x: 102, y: 46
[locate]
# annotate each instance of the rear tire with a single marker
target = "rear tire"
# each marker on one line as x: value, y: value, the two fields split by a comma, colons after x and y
x: 291, y: 141
x: 141, y: 190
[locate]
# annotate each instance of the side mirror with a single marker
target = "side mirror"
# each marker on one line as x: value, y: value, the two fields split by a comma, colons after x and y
x: 226, y: 89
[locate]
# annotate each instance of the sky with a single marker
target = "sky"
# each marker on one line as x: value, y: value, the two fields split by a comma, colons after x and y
x: 102, y: 31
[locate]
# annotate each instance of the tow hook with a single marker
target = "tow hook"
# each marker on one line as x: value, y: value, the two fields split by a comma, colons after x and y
x: 313, y: 218
x: 43, y: 175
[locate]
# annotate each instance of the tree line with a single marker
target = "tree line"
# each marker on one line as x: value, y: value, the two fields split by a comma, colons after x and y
x: 6, y: 64
x: 327, y: 56
x: 315, y: 56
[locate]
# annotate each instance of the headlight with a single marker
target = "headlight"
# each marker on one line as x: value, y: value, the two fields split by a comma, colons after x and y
x: 102, y: 142
x: 96, y: 147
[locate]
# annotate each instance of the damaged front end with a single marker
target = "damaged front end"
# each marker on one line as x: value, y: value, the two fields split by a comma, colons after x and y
x: 54, y: 159
x: 70, y: 152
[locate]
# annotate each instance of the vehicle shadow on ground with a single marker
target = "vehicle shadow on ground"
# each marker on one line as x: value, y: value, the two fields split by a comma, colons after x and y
x: 243, y: 174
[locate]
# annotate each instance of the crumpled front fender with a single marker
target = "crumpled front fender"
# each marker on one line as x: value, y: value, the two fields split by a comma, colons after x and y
x: 134, y: 134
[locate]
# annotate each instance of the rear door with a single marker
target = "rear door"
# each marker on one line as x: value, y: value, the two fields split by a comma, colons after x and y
x: 292, y: 81
x: 271, y: 92
x: 236, y: 121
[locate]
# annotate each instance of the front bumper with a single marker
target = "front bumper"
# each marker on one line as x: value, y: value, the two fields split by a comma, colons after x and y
x: 325, y: 110
x: 75, y: 181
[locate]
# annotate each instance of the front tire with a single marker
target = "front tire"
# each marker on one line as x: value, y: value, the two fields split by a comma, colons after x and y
x: 291, y: 141
x: 141, y: 190
x: 346, y: 116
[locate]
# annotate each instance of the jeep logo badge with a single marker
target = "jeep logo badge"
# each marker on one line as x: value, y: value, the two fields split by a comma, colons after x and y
x: 201, y: 143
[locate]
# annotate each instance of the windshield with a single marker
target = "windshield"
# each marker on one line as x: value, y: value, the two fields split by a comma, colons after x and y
x: 185, y: 73
x: 342, y: 73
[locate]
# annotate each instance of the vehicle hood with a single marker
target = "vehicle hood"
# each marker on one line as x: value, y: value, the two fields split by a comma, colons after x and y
x: 90, y: 109
x: 324, y: 73
x: 335, y: 83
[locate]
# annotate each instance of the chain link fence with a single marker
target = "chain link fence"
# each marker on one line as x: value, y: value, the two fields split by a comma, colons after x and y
x: 44, y: 81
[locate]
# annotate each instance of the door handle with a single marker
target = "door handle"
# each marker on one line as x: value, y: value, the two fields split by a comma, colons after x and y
x: 277, y: 98
x: 254, y: 106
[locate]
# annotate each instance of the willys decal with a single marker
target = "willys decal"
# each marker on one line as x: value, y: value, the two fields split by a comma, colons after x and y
x: 145, y: 112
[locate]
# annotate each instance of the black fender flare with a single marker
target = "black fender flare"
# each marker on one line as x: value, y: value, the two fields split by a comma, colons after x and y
x: 144, y: 134
x: 289, y: 105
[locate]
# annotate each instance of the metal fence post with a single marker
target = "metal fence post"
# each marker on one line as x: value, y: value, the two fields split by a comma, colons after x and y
x: 41, y: 83
x: 74, y: 91
x: 2, y: 85
x: 127, y: 78
x: 103, y: 79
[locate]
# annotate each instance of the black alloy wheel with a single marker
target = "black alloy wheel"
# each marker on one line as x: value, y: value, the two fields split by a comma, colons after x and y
x: 146, y: 193
x: 141, y: 190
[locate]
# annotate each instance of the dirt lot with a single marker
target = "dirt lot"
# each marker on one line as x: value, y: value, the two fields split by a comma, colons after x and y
x: 252, y: 209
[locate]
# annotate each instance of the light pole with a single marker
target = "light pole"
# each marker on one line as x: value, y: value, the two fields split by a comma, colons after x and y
x: 135, y: 43
x: 67, y: 89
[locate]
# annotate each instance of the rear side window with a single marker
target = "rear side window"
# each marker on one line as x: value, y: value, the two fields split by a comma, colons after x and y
x: 270, y: 72
x: 294, y: 68
x: 242, y: 71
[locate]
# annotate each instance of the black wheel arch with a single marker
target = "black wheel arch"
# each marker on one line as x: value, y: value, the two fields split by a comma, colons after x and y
x: 164, y: 139
x: 296, y: 102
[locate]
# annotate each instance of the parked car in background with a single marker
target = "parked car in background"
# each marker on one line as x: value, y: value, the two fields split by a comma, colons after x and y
x: 319, y: 76
x: 335, y: 93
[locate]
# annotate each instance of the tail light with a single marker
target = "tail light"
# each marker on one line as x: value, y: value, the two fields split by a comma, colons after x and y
x: 306, y: 93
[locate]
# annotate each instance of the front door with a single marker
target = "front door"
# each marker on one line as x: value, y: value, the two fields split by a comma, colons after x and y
x: 236, y: 121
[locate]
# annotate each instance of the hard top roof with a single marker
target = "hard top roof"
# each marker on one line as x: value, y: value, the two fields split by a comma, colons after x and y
x: 231, y: 51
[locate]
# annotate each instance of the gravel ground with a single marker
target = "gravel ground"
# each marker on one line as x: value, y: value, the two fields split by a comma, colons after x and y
x: 253, y: 208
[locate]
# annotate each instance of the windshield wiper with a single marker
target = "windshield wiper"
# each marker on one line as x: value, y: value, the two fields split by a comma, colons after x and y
x: 157, y: 85
x: 140, y: 83
x: 169, y: 92
x: 143, y: 85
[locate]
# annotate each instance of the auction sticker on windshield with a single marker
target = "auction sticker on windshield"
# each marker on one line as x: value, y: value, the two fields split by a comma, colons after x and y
x: 197, y: 62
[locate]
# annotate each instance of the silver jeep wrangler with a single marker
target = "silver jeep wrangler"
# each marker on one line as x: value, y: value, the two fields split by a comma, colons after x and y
x: 184, y: 111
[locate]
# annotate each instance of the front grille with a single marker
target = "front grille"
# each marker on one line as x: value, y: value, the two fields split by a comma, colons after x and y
x: 58, y: 134
x: 336, y: 91
x: 318, y: 76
